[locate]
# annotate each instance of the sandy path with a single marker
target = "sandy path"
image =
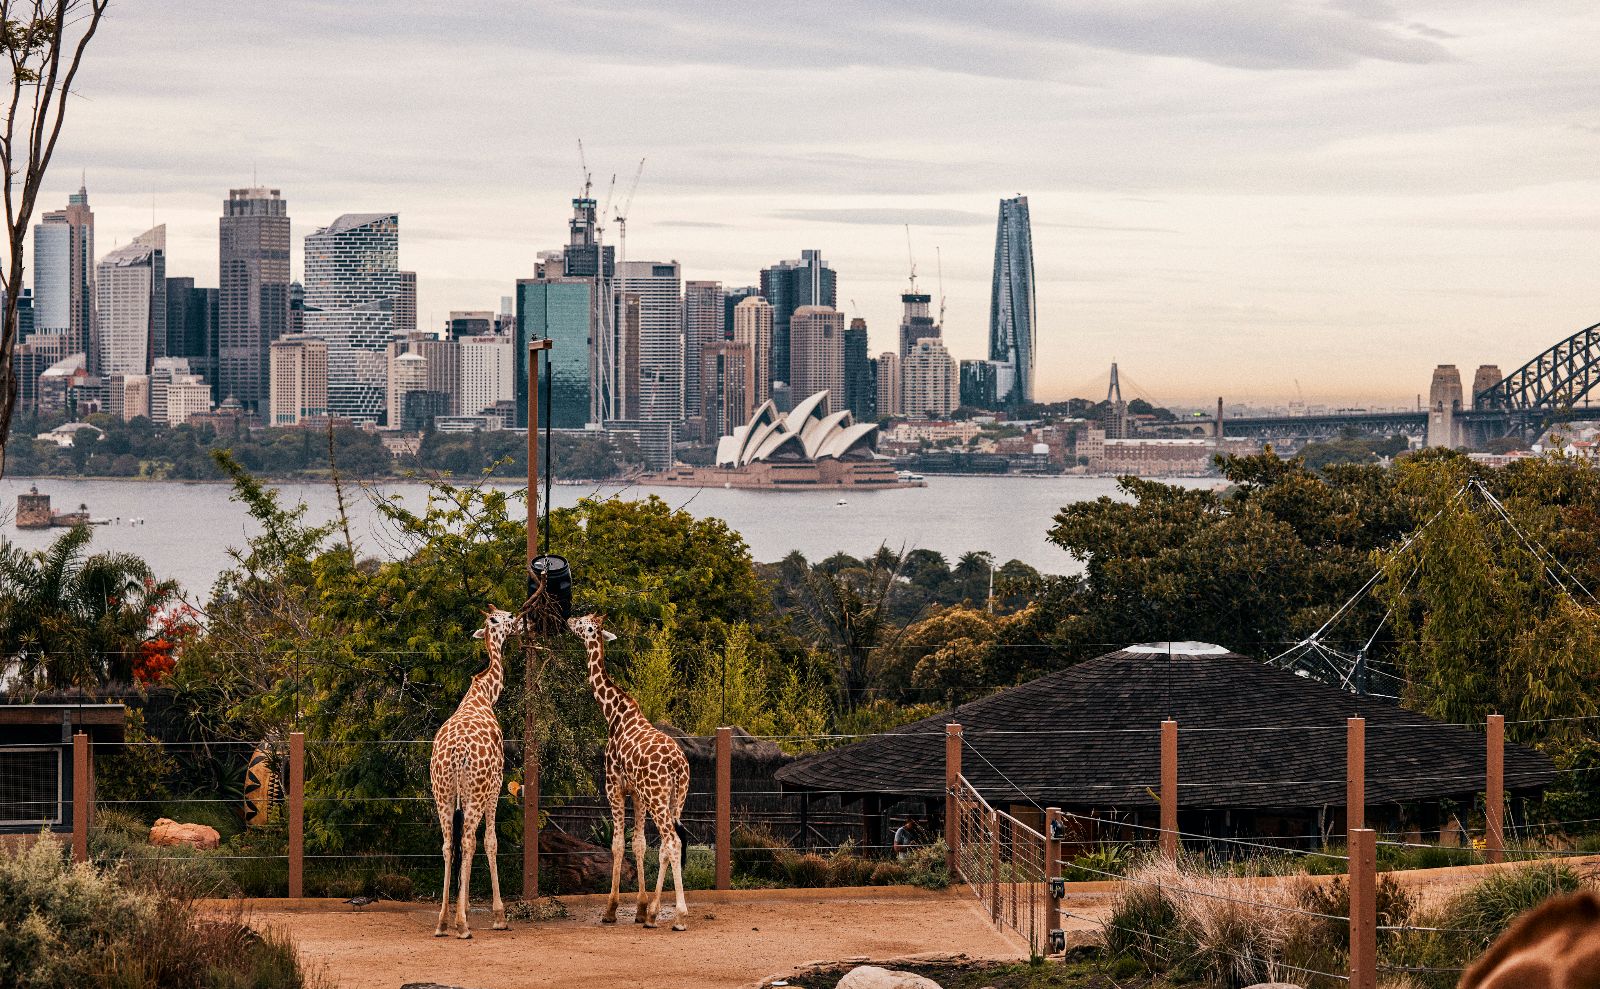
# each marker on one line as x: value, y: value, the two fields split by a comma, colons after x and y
x: 750, y: 934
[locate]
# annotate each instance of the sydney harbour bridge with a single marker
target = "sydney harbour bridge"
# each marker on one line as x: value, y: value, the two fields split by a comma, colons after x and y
x: 1552, y: 387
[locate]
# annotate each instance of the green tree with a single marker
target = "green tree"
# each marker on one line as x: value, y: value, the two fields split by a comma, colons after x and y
x: 653, y: 678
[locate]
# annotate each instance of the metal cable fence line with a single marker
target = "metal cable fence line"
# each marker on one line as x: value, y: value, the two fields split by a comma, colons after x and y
x: 1168, y: 940
x: 1201, y: 837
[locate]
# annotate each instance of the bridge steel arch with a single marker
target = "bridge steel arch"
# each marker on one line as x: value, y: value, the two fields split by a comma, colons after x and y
x: 1561, y: 376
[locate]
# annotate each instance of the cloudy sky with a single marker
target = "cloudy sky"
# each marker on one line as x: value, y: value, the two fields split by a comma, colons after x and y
x: 1238, y: 198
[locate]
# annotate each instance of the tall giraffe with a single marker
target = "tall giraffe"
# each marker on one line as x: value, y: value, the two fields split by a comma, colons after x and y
x: 467, y: 766
x: 646, y: 764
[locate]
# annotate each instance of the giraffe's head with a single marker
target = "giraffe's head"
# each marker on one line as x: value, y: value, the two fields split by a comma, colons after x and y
x: 589, y: 627
x: 500, y: 625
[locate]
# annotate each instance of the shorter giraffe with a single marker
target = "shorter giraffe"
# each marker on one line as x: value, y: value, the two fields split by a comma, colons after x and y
x: 646, y: 764
x: 467, y: 766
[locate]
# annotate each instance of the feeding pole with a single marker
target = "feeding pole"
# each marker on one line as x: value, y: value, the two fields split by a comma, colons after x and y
x: 530, y: 748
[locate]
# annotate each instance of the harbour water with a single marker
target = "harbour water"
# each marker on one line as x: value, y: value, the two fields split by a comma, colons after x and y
x: 185, y: 530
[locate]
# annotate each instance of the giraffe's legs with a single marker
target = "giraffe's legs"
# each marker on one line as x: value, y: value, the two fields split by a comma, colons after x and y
x: 491, y: 844
x: 619, y: 824
x: 640, y: 915
x: 445, y: 813
x: 469, y: 835
x: 668, y: 841
x: 672, y: 848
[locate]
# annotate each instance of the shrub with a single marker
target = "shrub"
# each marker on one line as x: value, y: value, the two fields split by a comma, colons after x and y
x: 120, y: 841
x: 925, y: 866
x: 806, y: 871
x: 393, y: 886
x: 757, y: 851
x: 846, y: 868
x: 889, y: 874
x: 1144, y: 925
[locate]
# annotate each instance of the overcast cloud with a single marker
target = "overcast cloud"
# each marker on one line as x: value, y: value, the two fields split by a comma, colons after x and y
x: 1228, y: 197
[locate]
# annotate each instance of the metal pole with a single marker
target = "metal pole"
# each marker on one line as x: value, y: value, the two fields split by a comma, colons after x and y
x: 994, y: 863
x: 297, y: 814
x: 80, y: 797
x: 1494, y: 806
x: 724, y: 808
x: 530, y: 748
x: 952, y: 810
x: 1363, y: 909
x: 1355, y: 773
x: 1169, y: 789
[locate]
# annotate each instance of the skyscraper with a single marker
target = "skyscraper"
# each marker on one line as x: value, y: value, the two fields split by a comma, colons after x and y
x: 1013, y: 311
x: 725, y: 387
x: 558, y: 309
x: 405, y: 304
x: 299, y: 367
x: 352, y: 277
x: 131, y: 305
x: 816, y: 354
x: 64, y: 272
x: 788, y: 285
x: 702, y: 326
x: 916, y: 322
x: 752, y: 326
x: 488, y: 372
x: 659, y: 288
x: 932, y: 386
x: 860, y: 390
x: 253, y: 294
x: 408, y: 372
x: 730, y: 301
x: 192, y: 326
x: 890, y: 385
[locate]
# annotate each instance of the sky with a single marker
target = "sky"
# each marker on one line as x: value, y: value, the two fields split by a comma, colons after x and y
x: 1255, y: 199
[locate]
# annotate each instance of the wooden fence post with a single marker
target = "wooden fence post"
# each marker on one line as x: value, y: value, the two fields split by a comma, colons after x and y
x: 1169, y: 789
x: 952, y: 810
x: 80, y: 797
x: 994, y: 862
x: 724, y: 808
x: 1494, y: 806
x: 1363, y: 909
x: 1053, y: 822
x: 530, y: 816
x: 297, y: 813
x: 1355, y: 773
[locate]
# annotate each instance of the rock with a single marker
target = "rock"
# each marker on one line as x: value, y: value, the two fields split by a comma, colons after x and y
x: 169, y: 832
x: 580, y: 867
x: 873, y: 977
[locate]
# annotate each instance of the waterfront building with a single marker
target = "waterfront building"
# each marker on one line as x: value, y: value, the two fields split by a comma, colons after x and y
x: 64, y: 272
x: 56, y: 385
x: 253, y: 297
x: 405, y: 304
x: 131, y: 305
x: 788, y: 285
x: 916, y: 322
x: 816, y: 351
x: 488, y: 373
x: 752, y: 326
x: 726, y: 381
x: 702, y: 326
x: 128, y: 396
x: 187, y: 395
x: 860, y: 393
x: 891, y: 382
x: 659, y: 286
x: 352, y: 277
x: 162, y: 371
x: 408, y: 372
x: 561, y: 310
x: 299, y: 366
x: 932, y: 386
x: 1013, y: 310
x: 32, y: 358
x: 654, y: 438
x: 1444, y: 406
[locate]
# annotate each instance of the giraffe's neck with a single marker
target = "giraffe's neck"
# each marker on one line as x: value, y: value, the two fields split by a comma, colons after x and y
x: 615, y: 703
x: 485, y: 690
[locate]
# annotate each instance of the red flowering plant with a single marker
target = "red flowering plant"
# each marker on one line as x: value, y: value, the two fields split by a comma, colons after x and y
x: 170, y: 629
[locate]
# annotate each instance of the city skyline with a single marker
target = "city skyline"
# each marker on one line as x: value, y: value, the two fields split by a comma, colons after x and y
x: 1326, y: 180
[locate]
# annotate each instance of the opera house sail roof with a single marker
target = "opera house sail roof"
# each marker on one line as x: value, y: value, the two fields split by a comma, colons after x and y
x: 806, y: 433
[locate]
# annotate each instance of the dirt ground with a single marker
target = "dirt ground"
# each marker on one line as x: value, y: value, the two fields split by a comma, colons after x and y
x: 734, y: 939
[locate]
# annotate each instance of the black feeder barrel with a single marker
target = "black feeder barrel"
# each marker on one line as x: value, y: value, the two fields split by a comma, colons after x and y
x: 553, y: 572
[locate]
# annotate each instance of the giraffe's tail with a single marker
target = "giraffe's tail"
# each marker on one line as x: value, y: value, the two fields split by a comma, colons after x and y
x: 683, y: 846
x: 457, y: 825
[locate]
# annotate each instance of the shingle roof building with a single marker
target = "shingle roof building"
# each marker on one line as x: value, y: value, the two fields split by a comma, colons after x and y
x: 1251, y: 739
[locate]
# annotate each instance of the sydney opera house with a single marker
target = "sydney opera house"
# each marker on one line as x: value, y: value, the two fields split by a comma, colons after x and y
x: 805, y: 447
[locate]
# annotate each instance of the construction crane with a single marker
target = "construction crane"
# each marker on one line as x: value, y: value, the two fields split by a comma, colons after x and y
x: 911, y: 255
x: 583, y: 162
x: 938, y: 261
x: 627, y: 205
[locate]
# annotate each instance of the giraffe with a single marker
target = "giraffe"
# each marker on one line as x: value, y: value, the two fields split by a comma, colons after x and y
x: 1553, y: 946
x: 466, y: 769
x: 646, y: 764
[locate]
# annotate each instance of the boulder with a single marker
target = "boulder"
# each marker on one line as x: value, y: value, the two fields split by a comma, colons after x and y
x: 873, y: 977
x: 170, y: 832
x: 578, y: 866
